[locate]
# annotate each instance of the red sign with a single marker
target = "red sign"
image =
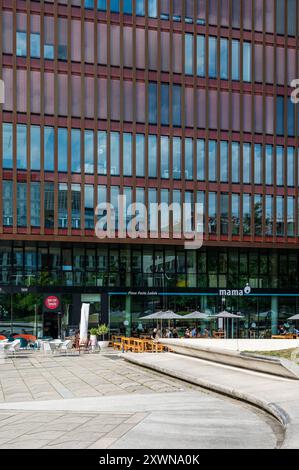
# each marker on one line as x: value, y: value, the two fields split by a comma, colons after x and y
x: 52, y: 302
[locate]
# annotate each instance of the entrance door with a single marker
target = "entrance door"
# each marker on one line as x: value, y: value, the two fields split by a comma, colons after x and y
x: 51, y: 325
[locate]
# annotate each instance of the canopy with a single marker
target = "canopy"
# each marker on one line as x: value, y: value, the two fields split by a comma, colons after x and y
x: 153, y: 316
x: 169, y: 315
x: 295, y: 317
x: 226, y: 314
x: 196, y: 316
x: 84, y: 322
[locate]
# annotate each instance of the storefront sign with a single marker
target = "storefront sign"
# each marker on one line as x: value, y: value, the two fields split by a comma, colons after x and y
x: 51, y: 303
x: 141, y: 293
x: 235, y: 292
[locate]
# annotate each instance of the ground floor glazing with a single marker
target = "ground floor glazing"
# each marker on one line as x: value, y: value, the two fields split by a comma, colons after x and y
x: 263, y: 314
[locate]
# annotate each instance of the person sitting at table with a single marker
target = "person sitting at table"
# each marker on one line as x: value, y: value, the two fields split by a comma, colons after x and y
x: 207, y: 333
x: 194, y: 332
x: 154, y: 334
x: 158, y: 334
x: 169, y: 334
x: 282, y: 331
x: 175, y: 333
x: 187, y: 333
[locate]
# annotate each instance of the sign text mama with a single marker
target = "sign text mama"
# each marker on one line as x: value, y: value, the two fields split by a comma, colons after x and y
x: 235, y: 292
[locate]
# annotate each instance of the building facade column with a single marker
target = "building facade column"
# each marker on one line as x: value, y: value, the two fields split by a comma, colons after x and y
x: 274, y: 315
x: 128, y: 316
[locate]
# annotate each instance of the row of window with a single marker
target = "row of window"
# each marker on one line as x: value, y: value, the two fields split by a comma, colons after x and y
x: 164, y: 104
x: 156, y: 55
x: 207, y: 12
x: 157, y: 157
x: 276, y: 213
x: 151, y: 261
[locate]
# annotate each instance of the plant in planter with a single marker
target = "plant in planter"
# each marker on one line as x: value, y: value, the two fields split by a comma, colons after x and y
x: 93, y: 338
x: 102, y: 331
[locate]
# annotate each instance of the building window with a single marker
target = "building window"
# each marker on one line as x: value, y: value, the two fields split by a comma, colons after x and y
x: 140, y: 155
x: 188, y: 159
x: 62, y: 206
x: 246, y: 163
x: 35, y: 45
x: 291, y: 166
x: 291, y: 216
x: 246, y: 62
x: 279, y: 166
x: 49, y: 205
x: 212, y: 160
x: 201, y: 160
x: 21, y: 147
x: 76, y: 206
x: 212, y: 57
x: 102, y: 153
x: 164, y: 153
x: 280, y: 115
x: 224, y: 208
x: 269, y: 215
x: 7, y: 146
x: 164, y: 104
x: 76, y: 151
x: 62, y: 150
x: 246, y: 214
x: 35, y: 204
x: 280, y: 216
x: 88, y: 152
x: 89, y: 206
x: 258, y: 214
x: 269, y: 165
x: 224, y: 162
x: 49, y: 148
x: 152, y: 156
x: 235, y: 214
x: 127, y: 154
x: 7, y: 188
x: 201, y: 56
x: 152, y: 103
x: 189, y: 54
x: 258, y: 164
x: 235, y: 60
x: 212, y: 213
x: 35, y: 148
x: 176, y: 158
x: 235, y: 162
x: 21, y: 44
x: 114, y: 153
x: 224, y: 59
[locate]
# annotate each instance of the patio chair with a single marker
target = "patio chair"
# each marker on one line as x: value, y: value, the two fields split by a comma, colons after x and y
x: 12, y: 348
x: 65, y: 346
x: 46, y: 347
x: 84, y: 346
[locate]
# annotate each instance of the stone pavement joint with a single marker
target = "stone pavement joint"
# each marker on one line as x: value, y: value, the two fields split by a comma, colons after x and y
x: 95, y: 402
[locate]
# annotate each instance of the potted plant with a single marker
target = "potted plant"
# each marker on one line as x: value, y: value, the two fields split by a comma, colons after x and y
x: 93, y: 338
x: 102, y: 331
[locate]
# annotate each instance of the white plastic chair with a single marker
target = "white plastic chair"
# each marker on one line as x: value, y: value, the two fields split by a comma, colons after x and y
x: 12, y: 347
x: 47, y: 348
x: 65, y: 346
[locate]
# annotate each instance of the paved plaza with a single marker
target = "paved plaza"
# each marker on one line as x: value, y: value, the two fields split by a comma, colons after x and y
x: 99, y: 402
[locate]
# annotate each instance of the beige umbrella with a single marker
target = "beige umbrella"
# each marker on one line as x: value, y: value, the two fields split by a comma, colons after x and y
x: 227, y: 316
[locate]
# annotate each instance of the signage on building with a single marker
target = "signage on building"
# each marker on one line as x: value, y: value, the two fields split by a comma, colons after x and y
x: 52, y: 303
x: 141, y: 293
x: 235, y: 292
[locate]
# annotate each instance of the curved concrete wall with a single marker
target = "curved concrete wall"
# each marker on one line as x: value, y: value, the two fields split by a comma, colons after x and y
x: 268, y: 365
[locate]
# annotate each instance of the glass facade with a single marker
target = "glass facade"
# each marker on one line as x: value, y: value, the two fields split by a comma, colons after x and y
x: 163, y: 102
